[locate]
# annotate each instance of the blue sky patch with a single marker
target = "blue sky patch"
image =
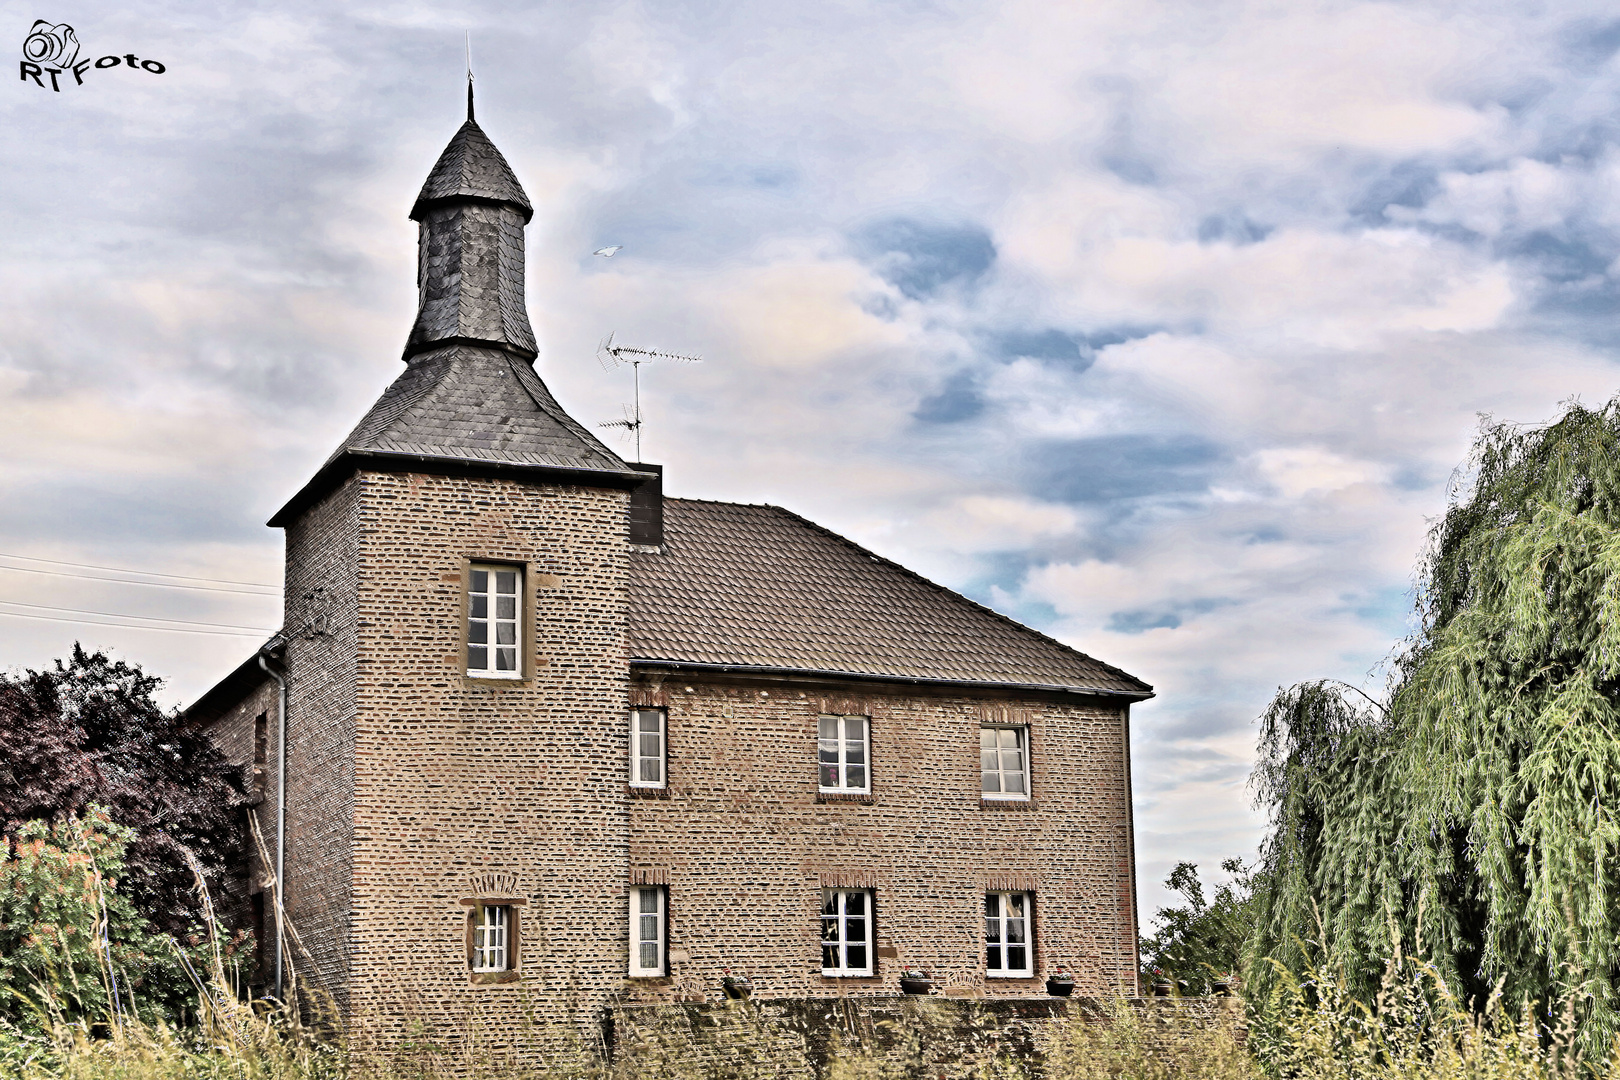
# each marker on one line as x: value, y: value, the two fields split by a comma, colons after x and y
x: 921, y: 258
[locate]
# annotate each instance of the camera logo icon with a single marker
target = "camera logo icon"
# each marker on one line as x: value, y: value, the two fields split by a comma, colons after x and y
x: 56, y: 46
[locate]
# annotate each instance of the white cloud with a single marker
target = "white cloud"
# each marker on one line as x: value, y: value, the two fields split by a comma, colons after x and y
x: 1264, y: 222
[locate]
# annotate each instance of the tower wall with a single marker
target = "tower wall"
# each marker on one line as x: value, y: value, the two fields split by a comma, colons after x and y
x: 322, y: 626
x: 472, y: 786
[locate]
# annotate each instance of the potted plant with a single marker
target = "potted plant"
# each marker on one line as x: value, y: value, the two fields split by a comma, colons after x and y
x: 1060, y: 983
x: 914, y: 981
x: 736, y: 986
x: 1161, y: 983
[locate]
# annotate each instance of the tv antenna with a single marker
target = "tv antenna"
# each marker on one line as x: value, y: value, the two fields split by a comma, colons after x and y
x: 611, y: 354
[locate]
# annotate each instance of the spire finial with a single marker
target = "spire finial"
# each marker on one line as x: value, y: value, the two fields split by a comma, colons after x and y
x: 469, y: 77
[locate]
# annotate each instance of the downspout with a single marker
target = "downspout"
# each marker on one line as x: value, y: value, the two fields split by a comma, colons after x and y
x: 281, y: 799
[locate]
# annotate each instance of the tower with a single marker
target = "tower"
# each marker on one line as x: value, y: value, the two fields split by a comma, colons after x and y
x: 456, y: 617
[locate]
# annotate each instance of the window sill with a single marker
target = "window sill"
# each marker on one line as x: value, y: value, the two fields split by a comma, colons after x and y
x: 1007, y: 804
x: 1009, y: 978
x: 649, y: 980
x: 860, y: 798
x: 840, y: 977
x: 493, y: 978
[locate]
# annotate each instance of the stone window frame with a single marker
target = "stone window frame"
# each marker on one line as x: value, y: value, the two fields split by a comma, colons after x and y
x: 514, y: 938
x: 1028, y: 918
x: 636, y: 758
x: 529, y: 580
x: 841, y: 741
x: 1024, y: 741
x: 843, y: 970
x: 637, y: 895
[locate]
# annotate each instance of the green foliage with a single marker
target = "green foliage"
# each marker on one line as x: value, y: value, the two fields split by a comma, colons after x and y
x: 73, y: 949
x: 1119, y: 1041
x: 1472, y: 820
x: 1202, y: 940
x: 89, y: 732
x: 1316, y: 1026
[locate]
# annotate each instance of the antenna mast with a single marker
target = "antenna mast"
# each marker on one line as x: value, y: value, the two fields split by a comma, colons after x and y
x: 609, y: 353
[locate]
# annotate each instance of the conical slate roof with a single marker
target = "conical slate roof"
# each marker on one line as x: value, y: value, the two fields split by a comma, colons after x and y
x: 467, y: 407
x: 470, y: 404
x: 471, y: 167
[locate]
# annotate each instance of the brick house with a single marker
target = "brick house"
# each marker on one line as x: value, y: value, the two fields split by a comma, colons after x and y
x: 536, y: 739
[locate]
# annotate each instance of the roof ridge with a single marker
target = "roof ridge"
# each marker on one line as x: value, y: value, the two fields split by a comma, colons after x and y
x: 953, y: 594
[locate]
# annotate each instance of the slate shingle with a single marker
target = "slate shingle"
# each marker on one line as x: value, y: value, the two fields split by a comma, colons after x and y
x: 758, y: 586
x: 471, y: 404
x: 471, y: 166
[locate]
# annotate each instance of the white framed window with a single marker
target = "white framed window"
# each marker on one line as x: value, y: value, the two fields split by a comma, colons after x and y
x: 1004, y: 762
x: 491, y: 938
x: 846, y: 932
x: 1007, y: 951
x: 647, y: 747
x: 844, y: 749
x: 649, y: 930
x: 494, y: 618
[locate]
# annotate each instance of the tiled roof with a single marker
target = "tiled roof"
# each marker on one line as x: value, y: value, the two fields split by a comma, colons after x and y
x: 760, y: 587
x: 471, y: 167
x: 470, y: 404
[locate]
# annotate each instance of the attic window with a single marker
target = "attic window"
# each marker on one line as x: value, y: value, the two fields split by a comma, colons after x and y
x: 494, y: 616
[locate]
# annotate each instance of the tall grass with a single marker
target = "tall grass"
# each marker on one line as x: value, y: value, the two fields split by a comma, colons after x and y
x: 1309, y: 1027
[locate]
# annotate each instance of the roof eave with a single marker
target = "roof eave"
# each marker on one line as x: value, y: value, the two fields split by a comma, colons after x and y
x: 422, y: 206
x: 908, y: 680
x: 217, y: 699
x: 340, y: 468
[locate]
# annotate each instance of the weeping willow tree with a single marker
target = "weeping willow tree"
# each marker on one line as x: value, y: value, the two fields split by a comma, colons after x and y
x: 1471, y: 819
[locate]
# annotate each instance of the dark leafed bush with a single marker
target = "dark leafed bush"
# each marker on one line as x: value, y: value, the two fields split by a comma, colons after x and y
x: 88, y: 732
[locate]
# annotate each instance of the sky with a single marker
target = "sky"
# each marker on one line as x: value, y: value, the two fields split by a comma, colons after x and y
x: 1161, y: 326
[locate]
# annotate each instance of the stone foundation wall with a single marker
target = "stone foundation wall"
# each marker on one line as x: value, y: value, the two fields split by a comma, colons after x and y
x: 942, y: 1039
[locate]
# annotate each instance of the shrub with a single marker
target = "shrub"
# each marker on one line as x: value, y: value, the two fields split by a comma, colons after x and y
x: 73, y: 949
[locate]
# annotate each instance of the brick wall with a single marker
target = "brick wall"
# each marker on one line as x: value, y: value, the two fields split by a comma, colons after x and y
x: 468, y: 787
x: 413, y: 788
x: 746, y: 843
x: 233, y: 733
x: 801, y: 1037
x: 322, y: 622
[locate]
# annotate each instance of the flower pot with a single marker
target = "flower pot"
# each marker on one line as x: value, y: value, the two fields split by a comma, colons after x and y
x: 913, y: 986
x: 1060, y: 987
x: 1161, y: 988
x: 1220, y: 988
x: 736, y: 991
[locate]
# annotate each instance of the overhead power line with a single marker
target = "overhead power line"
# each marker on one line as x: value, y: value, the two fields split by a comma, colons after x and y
x: 125, y: 581
x: 130, y: 626
x: 143, y: 618
x: 141, y: 573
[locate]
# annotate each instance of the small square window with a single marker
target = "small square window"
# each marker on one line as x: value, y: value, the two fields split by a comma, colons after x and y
x: 647, y: 748
x: 1004, y: 762
x: 843, y: 747
x: 491, y: 944
x: 495, y: 622
x: 649, y: 928
x: 846, y: 932
x: 1007, y: 949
